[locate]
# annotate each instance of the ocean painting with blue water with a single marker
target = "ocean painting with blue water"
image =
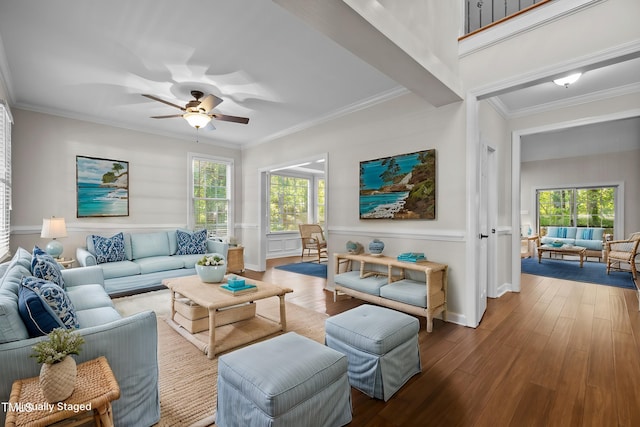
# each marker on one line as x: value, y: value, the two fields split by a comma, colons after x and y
x: 399, y: 187
x: 102, y: 187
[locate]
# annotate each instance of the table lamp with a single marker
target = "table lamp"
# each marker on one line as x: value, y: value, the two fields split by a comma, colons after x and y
x: 53, y: 228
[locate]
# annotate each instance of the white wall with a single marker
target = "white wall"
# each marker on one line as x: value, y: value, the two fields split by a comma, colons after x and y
x: 601, y: 169
x: 554, y: 44
x: 403, y: 125
x: 44, y: 177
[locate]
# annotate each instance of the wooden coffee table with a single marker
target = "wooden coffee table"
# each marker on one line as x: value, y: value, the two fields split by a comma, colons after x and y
x: 563, y: 250
x: 218, y: 302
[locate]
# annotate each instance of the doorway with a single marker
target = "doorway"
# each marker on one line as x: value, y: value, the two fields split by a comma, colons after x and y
x: 284, y: 240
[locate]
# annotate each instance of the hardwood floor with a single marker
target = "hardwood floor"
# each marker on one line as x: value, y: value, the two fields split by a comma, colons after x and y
x: 558, y: 353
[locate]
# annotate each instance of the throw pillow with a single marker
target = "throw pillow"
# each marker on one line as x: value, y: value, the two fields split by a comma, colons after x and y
x: 43, y: 266
x: 191, y: 243
x: 45, y: 306
x: 109, y: 249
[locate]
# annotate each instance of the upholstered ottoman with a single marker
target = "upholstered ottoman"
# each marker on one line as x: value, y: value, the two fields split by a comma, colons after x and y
x: 381, y: 346
x: 289, y: 380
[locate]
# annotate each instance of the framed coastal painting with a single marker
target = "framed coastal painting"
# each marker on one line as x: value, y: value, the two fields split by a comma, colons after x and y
x: 102, y: 187
x: 399, y: 187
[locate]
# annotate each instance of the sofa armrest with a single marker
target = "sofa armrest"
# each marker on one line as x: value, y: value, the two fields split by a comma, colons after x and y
x: 218, y: 246
x: 85, y: 258
x: 83, y: 276
x: 130, y: 346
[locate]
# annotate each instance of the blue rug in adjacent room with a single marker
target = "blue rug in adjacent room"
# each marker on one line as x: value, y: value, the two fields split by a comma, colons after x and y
x: 307, y: 268
x: 592, y: 272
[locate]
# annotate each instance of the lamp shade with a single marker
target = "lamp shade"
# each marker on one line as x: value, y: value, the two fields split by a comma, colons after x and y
x: 197, y: 120
x: 53, y: 227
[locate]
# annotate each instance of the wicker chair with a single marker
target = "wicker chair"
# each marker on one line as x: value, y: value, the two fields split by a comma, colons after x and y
x: 313, y: 240
x: 623, y: 251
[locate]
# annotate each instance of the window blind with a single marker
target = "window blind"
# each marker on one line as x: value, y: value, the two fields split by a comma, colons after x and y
x: 5, y: 181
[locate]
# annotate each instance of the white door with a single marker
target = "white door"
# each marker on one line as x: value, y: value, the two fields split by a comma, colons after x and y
x: 486, y: 243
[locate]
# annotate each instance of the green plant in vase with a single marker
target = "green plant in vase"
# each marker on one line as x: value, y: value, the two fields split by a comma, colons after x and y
x: 58, y: 372
x: 211, y: 268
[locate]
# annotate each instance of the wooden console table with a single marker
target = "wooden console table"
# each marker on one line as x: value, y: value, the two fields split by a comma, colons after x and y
x: 435, y: 282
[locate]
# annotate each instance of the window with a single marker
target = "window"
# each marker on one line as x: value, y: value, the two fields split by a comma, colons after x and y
x: 578, y: 207
x: 210, y: 204
x: 288, y: 202
x: 5, y: 180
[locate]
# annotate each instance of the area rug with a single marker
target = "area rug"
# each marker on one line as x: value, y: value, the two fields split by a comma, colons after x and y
x: 188, y: 378
x: 591, y: 272
x: 306, y: 268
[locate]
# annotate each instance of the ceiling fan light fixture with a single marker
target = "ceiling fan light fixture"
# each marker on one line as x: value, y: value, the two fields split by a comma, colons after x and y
x: 568, y: 80
x: 197, y: 120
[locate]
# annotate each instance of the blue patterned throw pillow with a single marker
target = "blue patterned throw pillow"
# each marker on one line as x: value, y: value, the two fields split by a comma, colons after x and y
x: 45, y: 306
x: 43, y: 266
x: 191, y: 243
x: 109, y: 249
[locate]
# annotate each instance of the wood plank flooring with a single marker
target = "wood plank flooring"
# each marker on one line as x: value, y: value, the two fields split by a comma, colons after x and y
x: 559, y: 353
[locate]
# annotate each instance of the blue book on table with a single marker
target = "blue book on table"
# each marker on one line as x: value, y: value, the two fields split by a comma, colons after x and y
x: 412, y: 257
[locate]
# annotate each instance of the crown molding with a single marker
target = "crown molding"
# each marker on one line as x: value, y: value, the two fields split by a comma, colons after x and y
x: 361, y: 105
x: 563, y: 103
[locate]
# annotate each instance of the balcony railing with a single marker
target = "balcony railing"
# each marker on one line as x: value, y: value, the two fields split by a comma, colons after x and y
x: 481, y: 14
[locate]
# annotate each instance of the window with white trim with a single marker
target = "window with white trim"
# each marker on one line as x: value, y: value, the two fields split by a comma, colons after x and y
x: 5, y: 181
x: 577, y: 207
x: 289, y: 202
x: 210, y: 198
x: 295, y: 199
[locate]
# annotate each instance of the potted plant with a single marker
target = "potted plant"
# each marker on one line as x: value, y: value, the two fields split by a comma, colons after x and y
x: 58, y: 372
x: 211, y: 268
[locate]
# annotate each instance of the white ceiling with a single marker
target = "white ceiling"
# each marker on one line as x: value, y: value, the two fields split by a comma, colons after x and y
x: 593, y: 139
x: 93, y: 59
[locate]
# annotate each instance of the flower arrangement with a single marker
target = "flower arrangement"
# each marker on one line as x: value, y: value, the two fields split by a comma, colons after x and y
x: 61, y: 343
x: 211, y: 260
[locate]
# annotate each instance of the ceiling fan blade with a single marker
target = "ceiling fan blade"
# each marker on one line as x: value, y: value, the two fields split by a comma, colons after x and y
x: 226, y: 118
x: 166, y: 117
x: 163, y: 101
x: 210, y: 102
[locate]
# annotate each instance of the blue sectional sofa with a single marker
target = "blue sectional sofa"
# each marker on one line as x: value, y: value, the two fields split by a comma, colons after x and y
x: 130, y: 344
x: 146, y: 259
x: 588, y: 237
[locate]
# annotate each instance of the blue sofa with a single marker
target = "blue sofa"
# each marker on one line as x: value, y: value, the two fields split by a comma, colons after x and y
x: 148, y: 259
x: 591, y: 238
x: 129, y: 344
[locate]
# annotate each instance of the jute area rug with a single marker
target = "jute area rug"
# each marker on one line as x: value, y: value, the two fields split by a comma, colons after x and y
x: 187, y: 377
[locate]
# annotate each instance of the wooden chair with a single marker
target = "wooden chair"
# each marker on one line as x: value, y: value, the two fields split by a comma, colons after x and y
x: 623, y: 251
x: 313, y: 240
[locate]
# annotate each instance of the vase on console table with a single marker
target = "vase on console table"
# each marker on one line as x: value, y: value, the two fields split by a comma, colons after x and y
x: 376, y: 247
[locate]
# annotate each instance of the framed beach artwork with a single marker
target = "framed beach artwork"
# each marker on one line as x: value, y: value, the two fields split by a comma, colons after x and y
x: 102, y: 187
x: 399, y: 187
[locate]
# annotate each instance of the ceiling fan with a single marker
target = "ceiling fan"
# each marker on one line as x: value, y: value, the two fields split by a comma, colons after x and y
x: 198, y: 113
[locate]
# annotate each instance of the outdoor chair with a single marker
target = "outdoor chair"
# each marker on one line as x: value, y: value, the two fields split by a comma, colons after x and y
x: 313, y: 240
x: 623, y: 251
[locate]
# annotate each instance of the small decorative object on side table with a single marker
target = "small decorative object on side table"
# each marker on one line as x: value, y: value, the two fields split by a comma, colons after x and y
x: 96, y: 388
x: 235, y: 259
x: 66, y: 263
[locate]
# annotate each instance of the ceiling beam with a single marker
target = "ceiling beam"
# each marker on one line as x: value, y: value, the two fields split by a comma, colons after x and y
x: 369, y: 31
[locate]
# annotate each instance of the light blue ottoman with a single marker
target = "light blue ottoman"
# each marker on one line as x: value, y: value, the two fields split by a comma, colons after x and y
x: 381, y: 345
x: 289, y: 380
